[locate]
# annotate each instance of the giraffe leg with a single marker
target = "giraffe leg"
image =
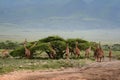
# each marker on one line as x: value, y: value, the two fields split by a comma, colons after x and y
x: 110, y: 58
x: 103, y: 58
x: 97, y: 59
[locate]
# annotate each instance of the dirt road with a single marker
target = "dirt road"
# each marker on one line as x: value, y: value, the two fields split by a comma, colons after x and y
x: 94, y: 71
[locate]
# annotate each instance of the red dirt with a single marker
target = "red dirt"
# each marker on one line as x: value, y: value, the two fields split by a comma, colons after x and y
x: 94, y: 71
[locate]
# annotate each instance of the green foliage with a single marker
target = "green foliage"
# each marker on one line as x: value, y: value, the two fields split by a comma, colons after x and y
x: 56, y: 42
x: 19, y: 52
x: 116, y: 47
x: 6, y: 69
x: 105, y: 47
x: 93, y: 45
x: 8, y: 45
x: 42, y: 47
x: 82, y: 44
x: 71, y: 42
x: 81, y: 40
x: 59, y: 47
x: 51, y: 38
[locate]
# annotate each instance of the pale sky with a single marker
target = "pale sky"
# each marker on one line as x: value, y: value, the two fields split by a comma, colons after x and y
x: 94, y: 20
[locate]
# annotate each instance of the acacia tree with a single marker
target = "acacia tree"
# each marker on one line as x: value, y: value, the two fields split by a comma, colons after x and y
x: 57, y: 43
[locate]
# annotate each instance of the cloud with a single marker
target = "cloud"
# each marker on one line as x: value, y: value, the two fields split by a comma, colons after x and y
x: 104, y: 35
x: 89, y: 19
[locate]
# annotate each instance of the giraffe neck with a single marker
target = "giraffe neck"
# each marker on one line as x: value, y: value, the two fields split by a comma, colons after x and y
x: 51, y: 48
x: 89, y: 48
x: 76, y: 46
x: 25, y: 47
x: 67, y: 46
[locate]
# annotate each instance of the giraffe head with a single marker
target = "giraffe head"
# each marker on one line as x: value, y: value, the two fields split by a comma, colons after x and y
x: 25, y: 41
x: 49, y: 44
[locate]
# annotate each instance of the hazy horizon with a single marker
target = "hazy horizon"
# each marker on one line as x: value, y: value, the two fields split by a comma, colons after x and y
x: 93, y: 20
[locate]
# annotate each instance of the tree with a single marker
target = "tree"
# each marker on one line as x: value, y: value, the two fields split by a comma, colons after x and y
x: 2, y: 45
x: 82, y: 44
x: 51, y: 38
x: 57, y: 43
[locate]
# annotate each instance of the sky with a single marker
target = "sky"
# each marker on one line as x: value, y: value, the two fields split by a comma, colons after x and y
x: 93, y: 20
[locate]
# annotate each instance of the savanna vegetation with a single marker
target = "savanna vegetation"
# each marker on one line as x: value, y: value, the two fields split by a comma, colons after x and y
x: 41, y: 59
x: 9, y: 65
x: 55, y: 42
x: 9, y: 45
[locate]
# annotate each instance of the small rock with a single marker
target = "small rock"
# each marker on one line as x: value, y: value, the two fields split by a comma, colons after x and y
x: 20, y: 66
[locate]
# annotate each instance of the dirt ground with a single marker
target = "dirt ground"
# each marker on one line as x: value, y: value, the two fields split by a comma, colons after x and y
x: 94, y: 71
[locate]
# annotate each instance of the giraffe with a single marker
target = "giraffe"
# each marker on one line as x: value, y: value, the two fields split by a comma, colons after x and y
x: 5, y: 53
x: 52, y: 51
x: 67, y: 51
x: 99, y: 54
x: 77, y: 50
x: 110, y: 53
x: 95, y: 51
x: 27, y: 51
x: 87, y: 52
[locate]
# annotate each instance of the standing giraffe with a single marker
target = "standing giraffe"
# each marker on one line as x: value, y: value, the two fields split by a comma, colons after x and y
x: 96, y: 52
x: 110, y: 53
x: 87, y: 52
x: 67, y: 51
x: 77, y: 50
x: 52, y: 51
x: 27, y: 51
x: 99, y: 54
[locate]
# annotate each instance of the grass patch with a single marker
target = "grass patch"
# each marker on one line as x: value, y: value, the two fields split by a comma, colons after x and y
x: 9, y: 65
x: 115, y: 54
x: 6, y: 69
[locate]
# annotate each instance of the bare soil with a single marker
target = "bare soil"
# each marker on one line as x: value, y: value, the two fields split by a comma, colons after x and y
x: 93, y: 71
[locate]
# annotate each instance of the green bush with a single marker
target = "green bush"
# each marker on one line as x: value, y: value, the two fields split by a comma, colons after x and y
x: 19, y: 52
x: 59, y: 47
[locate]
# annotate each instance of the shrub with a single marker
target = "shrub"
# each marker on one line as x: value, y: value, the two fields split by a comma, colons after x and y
x: 19, y: 52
